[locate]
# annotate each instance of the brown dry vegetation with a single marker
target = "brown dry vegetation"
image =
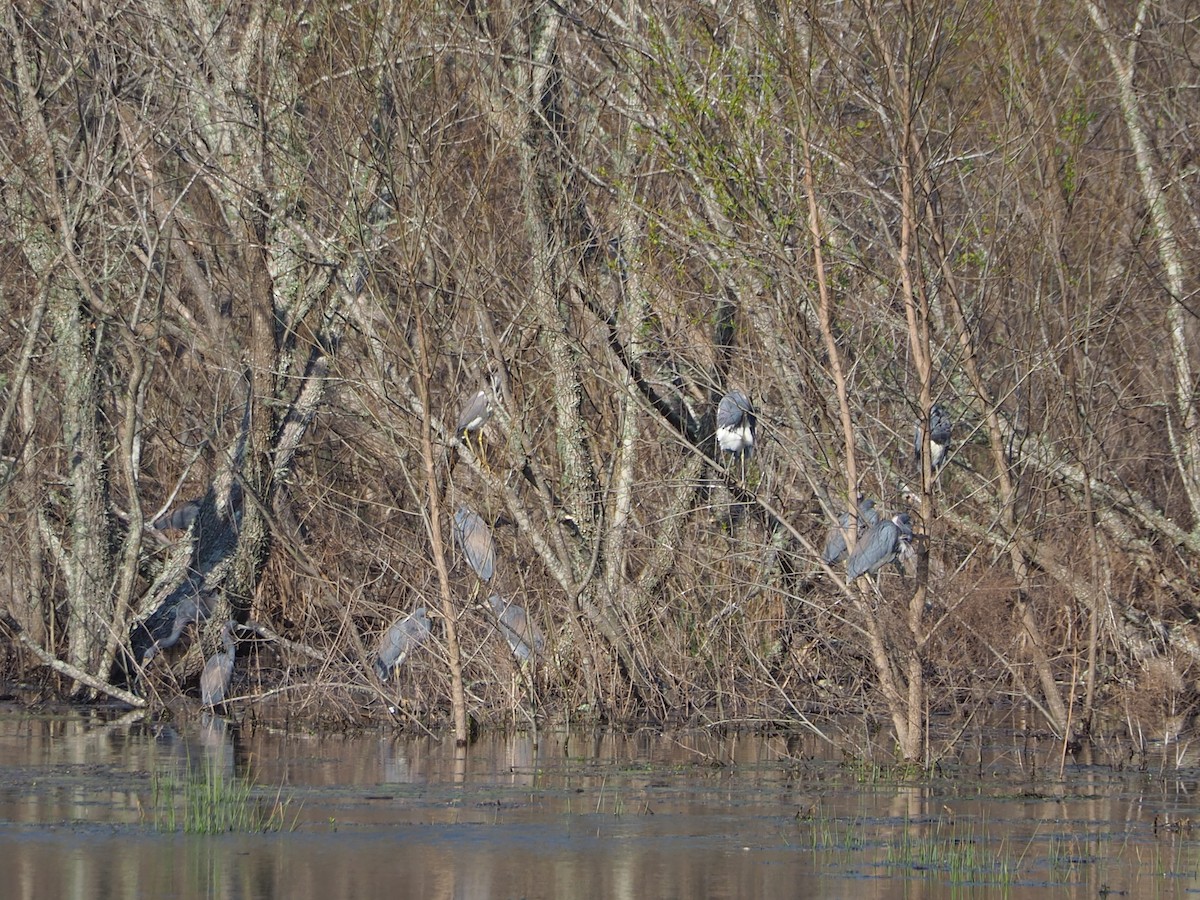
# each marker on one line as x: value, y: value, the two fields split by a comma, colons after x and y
x: 357, y: 214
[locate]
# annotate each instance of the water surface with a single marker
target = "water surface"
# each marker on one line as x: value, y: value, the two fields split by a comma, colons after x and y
x: 578, y: 814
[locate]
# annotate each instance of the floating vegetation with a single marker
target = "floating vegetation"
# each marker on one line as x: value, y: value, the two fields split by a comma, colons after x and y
x: 207, y: 801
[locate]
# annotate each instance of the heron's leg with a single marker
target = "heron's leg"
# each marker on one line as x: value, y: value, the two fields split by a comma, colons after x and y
x: 478, y: 448
x: 873, y: 579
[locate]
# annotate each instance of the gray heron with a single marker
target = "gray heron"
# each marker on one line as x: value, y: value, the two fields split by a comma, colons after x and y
x: 475, y: 540
x: 521, y: 632
x: 735, y: 424
x: 940, y: 429
x: 881, y: 544
x: 194, y: 608
x: 181, y: 517
x: 474, y: 416
x: 836, y: 544
x: 404, y: 636
x: 214, y: 680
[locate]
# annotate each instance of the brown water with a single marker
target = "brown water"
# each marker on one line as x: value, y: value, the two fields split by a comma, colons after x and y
x: 583, y: 815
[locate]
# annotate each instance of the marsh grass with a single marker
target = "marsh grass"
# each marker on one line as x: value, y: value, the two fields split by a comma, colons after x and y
x: 836, y: 834
x: 207, y: 801
x: 836, y: 843
x: 868, y: 772
x: 959, y: 853
x: 1066, y: 856
x: 614, y: 797
x: 1173, y: 856
x: 966, y: 854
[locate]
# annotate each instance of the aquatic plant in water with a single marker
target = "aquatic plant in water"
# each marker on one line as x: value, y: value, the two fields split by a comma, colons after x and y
x: 959, y: 853
x: 207, y: 801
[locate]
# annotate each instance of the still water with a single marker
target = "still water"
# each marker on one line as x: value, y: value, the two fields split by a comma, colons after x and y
x: 577, y: 814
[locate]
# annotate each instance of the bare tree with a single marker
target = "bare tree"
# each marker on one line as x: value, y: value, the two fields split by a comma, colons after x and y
x: 260, y: 257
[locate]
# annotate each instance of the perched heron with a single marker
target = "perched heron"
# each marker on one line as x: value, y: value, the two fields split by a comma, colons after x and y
x: 405, y: 636
x: 214, y: 680
x: 181, y: 517
x: 521, y: 632
x: 194, y: 608
x: 473, y: 417
x: 736, y: 423
x: 940, y: 428
x: 881, y: 544
x: 475, y: 540
x: 835, y: 543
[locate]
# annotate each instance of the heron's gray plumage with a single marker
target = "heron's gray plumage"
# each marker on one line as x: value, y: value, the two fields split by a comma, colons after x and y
x: 736, y: 423
x: 475, y: 540
x: 836, y: 544
x: 191, y: 609
x: 521, y: 632
x: 940, y: 430
x: 181, y: 517
x: 405, y: 636
x: 214, y: 680
x: 474, y: 415
x: 881, y: 544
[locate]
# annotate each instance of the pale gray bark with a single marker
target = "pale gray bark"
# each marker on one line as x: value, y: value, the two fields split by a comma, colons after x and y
x: 1184, y: 418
